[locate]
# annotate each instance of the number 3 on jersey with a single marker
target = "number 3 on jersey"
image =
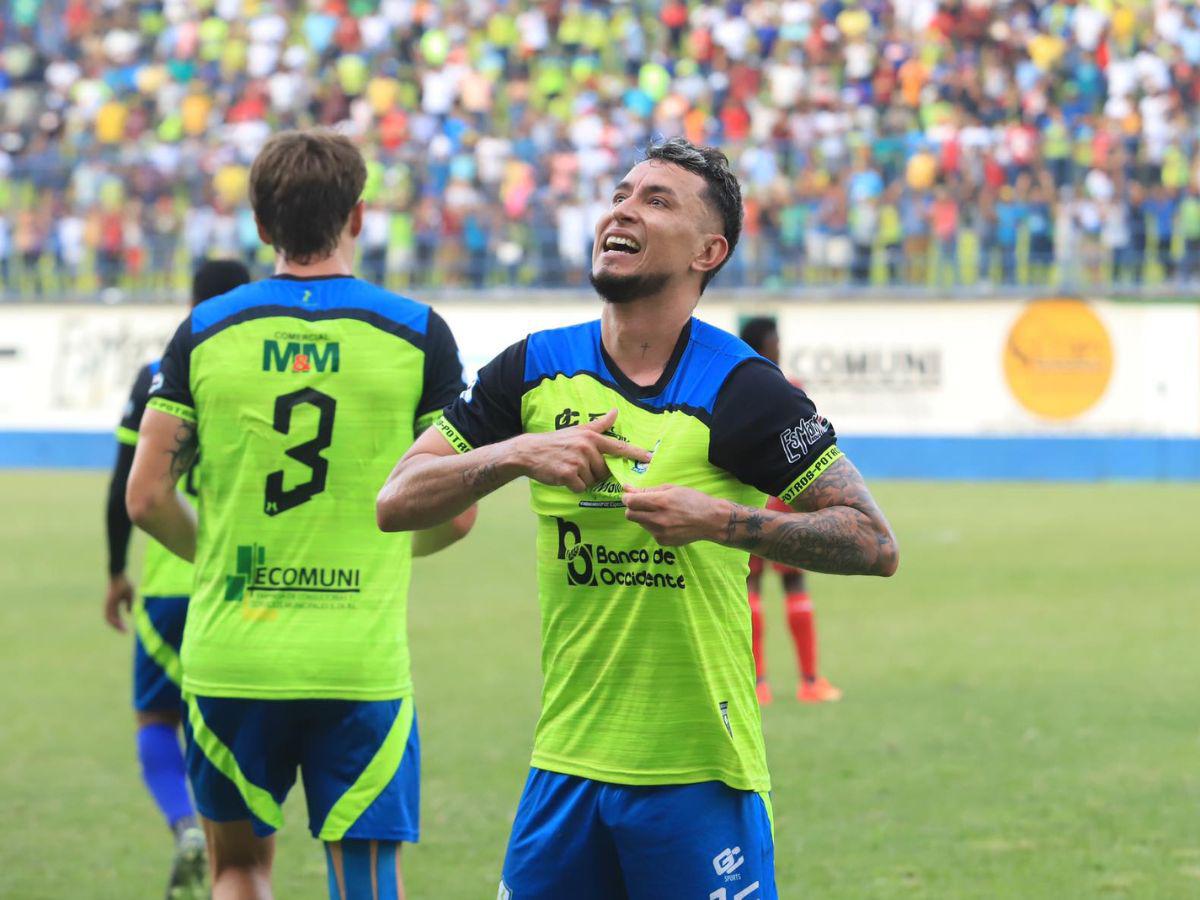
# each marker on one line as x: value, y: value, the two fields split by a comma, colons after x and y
x: 277, y: 500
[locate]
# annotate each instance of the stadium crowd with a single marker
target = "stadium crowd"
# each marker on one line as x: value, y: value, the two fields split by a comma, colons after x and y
x: 908, y: 143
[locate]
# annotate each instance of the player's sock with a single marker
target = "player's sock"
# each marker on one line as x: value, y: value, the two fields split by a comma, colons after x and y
x: 163, y: 771
x: 756, y: 633
x: 364, y: 880
x: 804, y: 633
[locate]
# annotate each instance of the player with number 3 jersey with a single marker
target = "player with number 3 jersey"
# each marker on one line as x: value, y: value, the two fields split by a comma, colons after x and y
x: 300, y: 391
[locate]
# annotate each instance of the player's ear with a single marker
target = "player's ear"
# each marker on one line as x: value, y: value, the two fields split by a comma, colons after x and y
x: 262, y: 233
x: 712, y: 253
x: 356, y: 219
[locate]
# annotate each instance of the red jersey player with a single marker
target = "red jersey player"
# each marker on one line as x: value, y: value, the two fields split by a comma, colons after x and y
x: 763, y: 337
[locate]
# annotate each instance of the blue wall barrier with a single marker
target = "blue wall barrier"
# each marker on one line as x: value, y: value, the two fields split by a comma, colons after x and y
x: 941, y: 458
x: 57, y: 449
x: 1026, y: 458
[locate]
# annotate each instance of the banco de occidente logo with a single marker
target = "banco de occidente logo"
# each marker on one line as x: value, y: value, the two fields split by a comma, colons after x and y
x: 253, y: 573
x: 592, y: 565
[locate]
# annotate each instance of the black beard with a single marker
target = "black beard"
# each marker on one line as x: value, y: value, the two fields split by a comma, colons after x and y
x: 627, y: 288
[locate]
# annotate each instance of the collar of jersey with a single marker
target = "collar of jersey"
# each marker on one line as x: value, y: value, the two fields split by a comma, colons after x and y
x: 288, y: 276
x: 642, y: 392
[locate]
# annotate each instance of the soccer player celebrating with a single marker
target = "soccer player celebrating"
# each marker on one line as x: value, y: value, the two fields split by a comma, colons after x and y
x: 761, y: 335
x: 299, y: 391
x: 158, y: 618
x: 650, y: 440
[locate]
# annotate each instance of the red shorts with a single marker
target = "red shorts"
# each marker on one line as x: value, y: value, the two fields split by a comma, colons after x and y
x: 756, y: 562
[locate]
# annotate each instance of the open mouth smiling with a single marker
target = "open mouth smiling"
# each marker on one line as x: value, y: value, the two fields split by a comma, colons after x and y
x: 621, y: 244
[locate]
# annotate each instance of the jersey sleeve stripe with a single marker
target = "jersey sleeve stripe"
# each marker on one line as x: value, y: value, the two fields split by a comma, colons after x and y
x: 127, y: 436
x: 261, y: 803
x: 171, y: 408
x: 820, y: 464
x: 374, y: 778
x: 450, y: 433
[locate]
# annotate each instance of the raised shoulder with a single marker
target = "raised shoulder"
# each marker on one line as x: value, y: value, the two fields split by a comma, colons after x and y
x: 720, y: 343
x: 563, y: 351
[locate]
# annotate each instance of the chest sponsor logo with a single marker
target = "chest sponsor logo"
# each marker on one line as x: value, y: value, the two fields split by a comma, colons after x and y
x: 254, y: 574
x: 565, y: 419
x: 591, y: 565
x: 569, y: 418
x: 798, y: 439
x: 301, y: 356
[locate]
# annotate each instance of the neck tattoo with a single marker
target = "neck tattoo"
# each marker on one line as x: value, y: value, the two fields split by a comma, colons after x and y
x: 645, y: 347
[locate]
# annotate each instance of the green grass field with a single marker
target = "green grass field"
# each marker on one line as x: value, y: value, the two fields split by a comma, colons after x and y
x: 1020, y: 716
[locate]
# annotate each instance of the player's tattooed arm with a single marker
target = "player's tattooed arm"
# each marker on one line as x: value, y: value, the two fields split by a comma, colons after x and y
x: 484, y: 477
x: 836, y: 527
x: 182, y: 451
x: 433, y: 481
x: 166, y: 448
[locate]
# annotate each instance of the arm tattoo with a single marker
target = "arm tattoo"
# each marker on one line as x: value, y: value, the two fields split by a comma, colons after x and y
x: 751, y: 522
x: 183, y: 454
x: 838, y: 529
x: 482, y: 478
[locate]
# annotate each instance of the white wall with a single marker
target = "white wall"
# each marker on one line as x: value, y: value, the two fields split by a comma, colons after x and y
x: 874, y: 368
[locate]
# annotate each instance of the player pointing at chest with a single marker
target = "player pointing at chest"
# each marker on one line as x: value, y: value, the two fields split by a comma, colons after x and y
x: 650, y: 440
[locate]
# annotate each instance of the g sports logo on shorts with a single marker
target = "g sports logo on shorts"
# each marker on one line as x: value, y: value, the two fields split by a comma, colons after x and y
x: 726, y: 864
x: 798, y: 439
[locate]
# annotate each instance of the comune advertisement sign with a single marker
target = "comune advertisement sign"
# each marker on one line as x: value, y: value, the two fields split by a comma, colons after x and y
x: 1044, y: 370
x: 1061, y: 366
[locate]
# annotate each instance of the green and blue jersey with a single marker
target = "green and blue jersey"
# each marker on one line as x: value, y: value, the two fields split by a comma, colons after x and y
x: 304, y: 393
x: 646, y: 650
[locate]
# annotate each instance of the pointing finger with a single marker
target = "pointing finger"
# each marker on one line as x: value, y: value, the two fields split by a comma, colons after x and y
x: 603, y: 423
x: 613, y: 447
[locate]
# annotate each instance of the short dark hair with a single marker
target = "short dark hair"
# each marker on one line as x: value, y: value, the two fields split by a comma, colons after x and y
x: 303, y: 187
x: 723, y: 193
x: 756, y: 331
x: 215, y: 277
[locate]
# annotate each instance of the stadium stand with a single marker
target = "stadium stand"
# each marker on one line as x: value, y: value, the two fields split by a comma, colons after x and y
x: 956, y: 145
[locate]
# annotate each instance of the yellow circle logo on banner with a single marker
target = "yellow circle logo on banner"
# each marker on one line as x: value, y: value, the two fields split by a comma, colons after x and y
x: 1058, y: 359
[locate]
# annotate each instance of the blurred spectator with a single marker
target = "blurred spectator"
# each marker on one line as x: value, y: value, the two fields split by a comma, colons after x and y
x: 924, y: 143
x: 1189, y: 225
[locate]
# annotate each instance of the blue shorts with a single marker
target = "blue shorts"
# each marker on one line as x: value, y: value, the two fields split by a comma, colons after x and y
x: 158, y: 633
x: 360, y: 761
x: 589, y: 840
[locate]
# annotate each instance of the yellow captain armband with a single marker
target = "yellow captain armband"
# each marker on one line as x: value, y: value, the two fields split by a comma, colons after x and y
x: 171, y: 408
x: 450, y: 433
x: 820, y: 464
